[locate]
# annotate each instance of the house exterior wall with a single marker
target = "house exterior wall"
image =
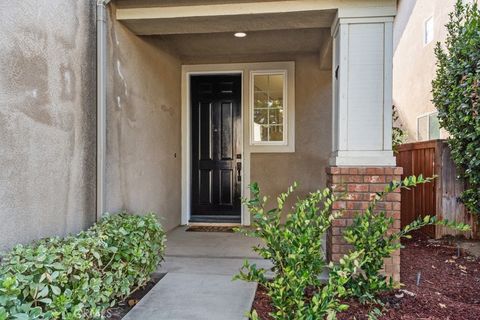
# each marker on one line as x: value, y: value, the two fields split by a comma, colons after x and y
x: 275, y: 171
x: 414, y: 62
x: 47, y: 119
x: 313, y: 135
x: 143, y: 127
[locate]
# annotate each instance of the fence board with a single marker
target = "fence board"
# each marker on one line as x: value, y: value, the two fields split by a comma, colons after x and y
x: 439, y: 198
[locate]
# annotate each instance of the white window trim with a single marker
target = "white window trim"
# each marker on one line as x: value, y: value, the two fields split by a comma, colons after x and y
x: 288, y: 144
x: 428, y: 114
x: 424, y: 40
x: 285, y: 107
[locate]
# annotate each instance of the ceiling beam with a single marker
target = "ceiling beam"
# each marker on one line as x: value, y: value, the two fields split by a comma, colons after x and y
x: 229, y: 9
x: 256, y: 22
x: 246, y: 16
x: 373, y: 7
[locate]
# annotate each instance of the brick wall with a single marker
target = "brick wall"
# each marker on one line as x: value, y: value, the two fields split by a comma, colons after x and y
x: 359, y: 185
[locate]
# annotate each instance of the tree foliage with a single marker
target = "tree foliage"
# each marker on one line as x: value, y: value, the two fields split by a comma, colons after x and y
x: 456, y: 95
x: 399, y: 135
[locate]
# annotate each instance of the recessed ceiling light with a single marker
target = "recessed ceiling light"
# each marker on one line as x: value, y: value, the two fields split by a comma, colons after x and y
x: 240, y: 34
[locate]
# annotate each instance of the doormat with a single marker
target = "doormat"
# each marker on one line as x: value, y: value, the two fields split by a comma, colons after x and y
x: 210, y: 229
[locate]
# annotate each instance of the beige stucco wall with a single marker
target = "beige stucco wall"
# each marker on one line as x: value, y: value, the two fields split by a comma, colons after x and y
x: 47, y: 119
x: 313, y: 132
x: 137, y: 117
x: 143, y: 127
x: 414, y: 62
x: 148, y: 75
x: 275, y: 172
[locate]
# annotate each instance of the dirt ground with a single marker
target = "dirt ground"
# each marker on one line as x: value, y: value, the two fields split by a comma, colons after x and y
x: 120, y: 310
x: 448, y: 289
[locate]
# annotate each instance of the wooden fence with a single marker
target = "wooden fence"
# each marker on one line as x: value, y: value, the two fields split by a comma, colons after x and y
x: 439, y: 198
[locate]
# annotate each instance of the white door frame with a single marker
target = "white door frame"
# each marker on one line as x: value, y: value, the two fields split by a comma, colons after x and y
x: 245, y: 70
x: 187, y: 72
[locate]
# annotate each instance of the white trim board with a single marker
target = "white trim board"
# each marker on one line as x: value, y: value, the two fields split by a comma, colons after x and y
x: 236, y: 68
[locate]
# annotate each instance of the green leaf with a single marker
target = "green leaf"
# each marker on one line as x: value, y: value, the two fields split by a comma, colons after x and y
x: 56, y: 290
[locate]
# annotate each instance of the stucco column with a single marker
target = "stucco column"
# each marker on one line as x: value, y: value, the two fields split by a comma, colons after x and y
x: 362, y: 92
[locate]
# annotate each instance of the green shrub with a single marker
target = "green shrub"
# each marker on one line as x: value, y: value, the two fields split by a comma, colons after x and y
x: 295, y: 249
x: 369, y: 234
x: 80, y: 277
x: 456, y: 95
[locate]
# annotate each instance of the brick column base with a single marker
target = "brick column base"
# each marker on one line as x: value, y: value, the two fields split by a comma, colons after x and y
x: 359, y: 185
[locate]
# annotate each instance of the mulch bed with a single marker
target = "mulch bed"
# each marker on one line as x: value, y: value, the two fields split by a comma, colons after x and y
x: 120, y: 310
x: 449, y: 287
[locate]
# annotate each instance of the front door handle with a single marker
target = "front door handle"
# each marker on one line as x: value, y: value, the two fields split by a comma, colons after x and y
x: 239, y: 171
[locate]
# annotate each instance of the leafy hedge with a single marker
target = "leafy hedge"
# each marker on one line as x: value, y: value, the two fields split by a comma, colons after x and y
x: 80, y: 277
x: 456, y: 95
x: 295, y: 249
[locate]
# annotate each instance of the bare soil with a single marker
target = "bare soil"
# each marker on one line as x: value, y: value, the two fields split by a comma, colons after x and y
x: 448, y: 289
x: 119, y: 311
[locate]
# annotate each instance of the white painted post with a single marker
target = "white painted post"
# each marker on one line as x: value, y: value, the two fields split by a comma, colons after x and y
x: 362, y: 92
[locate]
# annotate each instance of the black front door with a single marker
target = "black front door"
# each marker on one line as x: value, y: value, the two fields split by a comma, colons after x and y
x: 216, y: 147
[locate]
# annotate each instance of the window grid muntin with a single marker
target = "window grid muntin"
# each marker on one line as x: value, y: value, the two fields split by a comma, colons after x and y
x: 283, y: 107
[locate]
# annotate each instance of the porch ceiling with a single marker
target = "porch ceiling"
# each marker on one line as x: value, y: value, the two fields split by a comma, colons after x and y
x: 202, y: 47
x: 150, y: 17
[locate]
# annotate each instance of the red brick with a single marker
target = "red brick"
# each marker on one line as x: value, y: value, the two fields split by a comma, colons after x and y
x: 339, y: 223
x: 346, y: 249
x: 388, y: 268
x: 344, y: 170
x: 337, y: 231
x: 374, y: 179
x: 339, y: 205
x: 396, y: 260
x: 398, y: 171
x: 387, y: 206
x: 389, y: 171
x: 349, y: 222
x: 333, y: 170
x: 375, y: 171
x: 336, y: 248
x: 362, y: 171
x: 377, y: 187
x: 358, y: 196
x: 338, y: 187
x: 395, y: 197
x: 337, y: 179
x: 353, y: 178
x: 361, y: 185
x: 338, y: 240
x: 353, y: 171
x: 396, y: 224
x: 357, y: 188
x: 357, y: 205
x: 349, y: 214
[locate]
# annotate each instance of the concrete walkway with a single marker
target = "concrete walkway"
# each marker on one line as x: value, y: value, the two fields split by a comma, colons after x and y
x: 198, y: 284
